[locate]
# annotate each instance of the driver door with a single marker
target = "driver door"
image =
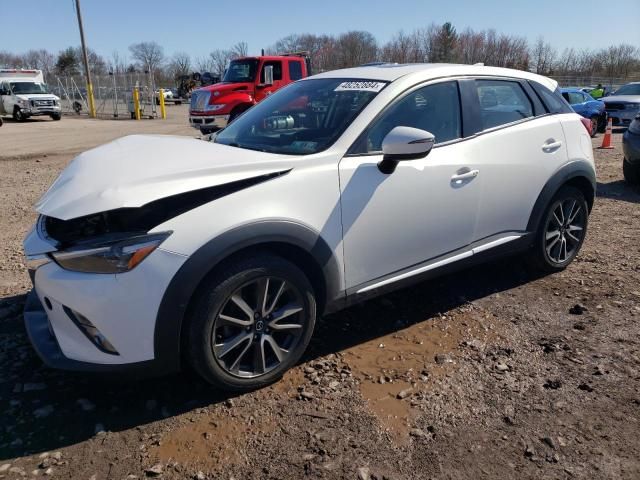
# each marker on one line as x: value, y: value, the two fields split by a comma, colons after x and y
x: 263, y: 91
x: 426, y: 208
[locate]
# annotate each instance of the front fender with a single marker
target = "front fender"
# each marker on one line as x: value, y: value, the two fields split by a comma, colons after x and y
x: 185, y: 282
x: 234, y: 99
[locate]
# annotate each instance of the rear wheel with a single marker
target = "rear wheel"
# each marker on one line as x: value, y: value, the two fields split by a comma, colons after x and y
x: 562, y: 231
x: 631, y: 172
x: 252, y: 321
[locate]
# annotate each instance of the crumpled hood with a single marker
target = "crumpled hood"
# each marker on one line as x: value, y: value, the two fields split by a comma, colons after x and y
x: 135, y: 170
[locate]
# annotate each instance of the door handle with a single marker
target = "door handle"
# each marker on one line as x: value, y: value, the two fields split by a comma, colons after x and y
x: 551, y: 146
x: 461, y: 177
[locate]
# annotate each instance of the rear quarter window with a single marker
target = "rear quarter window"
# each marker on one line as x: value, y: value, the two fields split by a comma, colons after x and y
x: 553, y: 101
x: 502, y: 102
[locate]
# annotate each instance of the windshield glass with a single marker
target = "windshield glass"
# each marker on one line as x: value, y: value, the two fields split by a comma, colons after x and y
x: 631, y: 89
x: 303, y: 118
x: 27, y: 87
x: 241, y: 71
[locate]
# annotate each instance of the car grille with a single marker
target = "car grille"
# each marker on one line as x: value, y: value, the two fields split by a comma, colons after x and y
x: 199, y: 100
x: 614, y: 106
x: 43, y: 103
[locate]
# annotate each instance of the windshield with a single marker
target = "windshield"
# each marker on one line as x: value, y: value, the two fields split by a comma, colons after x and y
x: 241, y: 71
x: 27, y: 87
x: 630, y: 89
x: 303, y: 118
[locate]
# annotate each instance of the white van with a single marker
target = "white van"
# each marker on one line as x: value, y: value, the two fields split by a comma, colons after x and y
x: 23, y: 94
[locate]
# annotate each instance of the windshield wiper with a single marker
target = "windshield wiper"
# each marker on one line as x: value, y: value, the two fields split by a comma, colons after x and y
x: 247, y: 147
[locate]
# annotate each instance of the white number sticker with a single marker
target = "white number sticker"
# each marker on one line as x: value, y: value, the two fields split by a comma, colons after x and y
x: 360, y: 86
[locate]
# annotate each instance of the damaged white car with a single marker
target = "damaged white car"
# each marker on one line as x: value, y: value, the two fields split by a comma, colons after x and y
x: 154, y: 250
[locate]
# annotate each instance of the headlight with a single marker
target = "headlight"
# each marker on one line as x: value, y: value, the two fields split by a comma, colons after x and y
x: 114, y: 257
x: 23, y: 103
x: 215, y: 107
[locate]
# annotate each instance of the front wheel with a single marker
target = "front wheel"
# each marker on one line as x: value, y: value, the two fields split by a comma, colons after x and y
x: 562, y: 231
x: 56, y: 116
x: 251, y: 322
x: 18, y: 115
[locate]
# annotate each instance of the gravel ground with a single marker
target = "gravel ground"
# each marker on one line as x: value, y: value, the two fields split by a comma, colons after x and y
x: 491, y: 373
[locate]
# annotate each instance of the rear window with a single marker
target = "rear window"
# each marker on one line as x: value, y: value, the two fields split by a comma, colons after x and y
x: 553, y: 101
x: 295, y: 70
x: 502, y: 102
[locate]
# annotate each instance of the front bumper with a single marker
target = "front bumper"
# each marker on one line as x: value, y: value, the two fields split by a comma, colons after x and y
x: 631, y: 147
x: 122, y: 308
x: 622, y: 117
x: 36, y: 111
x: 209, y: 121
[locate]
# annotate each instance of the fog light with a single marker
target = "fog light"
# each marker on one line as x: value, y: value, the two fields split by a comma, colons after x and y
x: 91, y: 332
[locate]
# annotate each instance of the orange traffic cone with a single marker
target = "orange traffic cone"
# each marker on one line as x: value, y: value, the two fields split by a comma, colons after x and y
x: 606, y: 140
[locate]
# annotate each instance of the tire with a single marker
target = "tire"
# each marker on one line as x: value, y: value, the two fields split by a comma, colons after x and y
x: 243, y: 355
x: 18, y: 116
x: 548, y: 255
x: 594, y: 126
x: 208, y: 130
x: 602, y: 125
x: 236, y: 113
x: 56, y: 116
x: 631, y: 172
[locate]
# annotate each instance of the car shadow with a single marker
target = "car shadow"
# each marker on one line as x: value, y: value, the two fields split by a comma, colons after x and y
x: 618, y: 190
x: 43, y: 409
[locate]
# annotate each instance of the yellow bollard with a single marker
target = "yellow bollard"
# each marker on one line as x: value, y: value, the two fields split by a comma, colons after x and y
x: 136, y: 102
x: 92, y: 103
x: 163, y: 110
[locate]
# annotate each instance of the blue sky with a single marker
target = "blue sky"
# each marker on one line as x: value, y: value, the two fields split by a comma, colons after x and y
x: 199, y: 26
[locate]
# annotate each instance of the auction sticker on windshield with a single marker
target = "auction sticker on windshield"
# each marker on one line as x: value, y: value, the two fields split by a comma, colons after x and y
x: 360, y: 86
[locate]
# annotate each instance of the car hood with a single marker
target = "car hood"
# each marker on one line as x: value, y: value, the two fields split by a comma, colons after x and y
x: 622, y: 98
x: 135, y: 170
x: 37, y: 96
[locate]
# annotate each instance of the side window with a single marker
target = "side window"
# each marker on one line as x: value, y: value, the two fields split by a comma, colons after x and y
x: 295, y: 70
x: 434, y: 108
x: 502, y: 102
x: 573, y: 97
x: 277, y: 70
x: 554, y: 101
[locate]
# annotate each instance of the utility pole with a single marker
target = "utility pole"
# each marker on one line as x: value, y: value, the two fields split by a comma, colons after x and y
x: 85, y: 58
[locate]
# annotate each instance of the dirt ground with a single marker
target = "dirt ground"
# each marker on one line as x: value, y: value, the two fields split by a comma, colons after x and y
x: 490, y: 373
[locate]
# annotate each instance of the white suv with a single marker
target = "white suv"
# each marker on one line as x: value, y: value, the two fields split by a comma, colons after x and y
x: 154, y: 249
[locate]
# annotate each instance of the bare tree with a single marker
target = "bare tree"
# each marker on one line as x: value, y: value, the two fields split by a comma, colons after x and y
x: 355, y: 48
x: 219, y: 61
x: 543, y: 56
x: 180, y: 65
x: 117, y: 64
x: 149, y: 55
x: 240, y: 49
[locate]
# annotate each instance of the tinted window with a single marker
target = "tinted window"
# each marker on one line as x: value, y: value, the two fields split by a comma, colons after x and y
x: 435, y: 108
x: 502, y: 102
x: 295, y: 70
x: 277, y: 71
x: 554, y: 101
x: 241, y: 71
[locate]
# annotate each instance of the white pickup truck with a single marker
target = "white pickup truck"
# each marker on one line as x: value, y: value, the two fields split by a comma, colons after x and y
x: 23, y: 94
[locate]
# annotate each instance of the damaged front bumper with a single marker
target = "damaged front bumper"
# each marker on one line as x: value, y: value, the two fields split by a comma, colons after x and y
x: 96, y: 322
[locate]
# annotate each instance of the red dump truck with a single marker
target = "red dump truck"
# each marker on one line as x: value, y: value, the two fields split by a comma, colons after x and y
x: 246, y: 81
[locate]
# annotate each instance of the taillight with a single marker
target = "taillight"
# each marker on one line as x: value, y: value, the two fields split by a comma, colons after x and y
x: 587, y: 124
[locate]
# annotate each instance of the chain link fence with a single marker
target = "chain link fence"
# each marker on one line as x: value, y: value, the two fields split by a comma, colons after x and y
x: 611, y: 83
x: 113, y: 94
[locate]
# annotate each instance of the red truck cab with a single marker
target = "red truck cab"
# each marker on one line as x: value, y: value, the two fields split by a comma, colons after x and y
x: 246, y: 81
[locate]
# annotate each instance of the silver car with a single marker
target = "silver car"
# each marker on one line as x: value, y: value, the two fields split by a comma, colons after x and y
x: 624, y: 104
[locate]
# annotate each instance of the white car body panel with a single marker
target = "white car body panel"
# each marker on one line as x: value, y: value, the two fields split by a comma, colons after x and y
x: 379, y: 228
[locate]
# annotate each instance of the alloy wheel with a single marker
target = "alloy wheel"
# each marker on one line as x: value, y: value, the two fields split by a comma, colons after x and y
x: 565, y: 230
x: 258, y: 327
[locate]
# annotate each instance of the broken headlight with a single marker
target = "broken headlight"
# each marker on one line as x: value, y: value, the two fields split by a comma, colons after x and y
x: 114, y: 257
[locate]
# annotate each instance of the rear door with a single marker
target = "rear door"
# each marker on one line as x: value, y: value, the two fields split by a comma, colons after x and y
x: 520, y: 145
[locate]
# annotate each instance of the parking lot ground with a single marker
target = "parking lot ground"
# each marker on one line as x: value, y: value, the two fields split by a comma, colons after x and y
x: 489, y: 373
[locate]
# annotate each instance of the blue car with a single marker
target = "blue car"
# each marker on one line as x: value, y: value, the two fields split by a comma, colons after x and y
x: 585, y: 105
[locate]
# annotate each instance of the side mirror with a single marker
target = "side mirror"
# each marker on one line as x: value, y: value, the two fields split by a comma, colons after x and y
x: 404, y: 143
x: 268, y: 75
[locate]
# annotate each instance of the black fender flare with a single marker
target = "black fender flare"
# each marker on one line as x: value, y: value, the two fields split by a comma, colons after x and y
x: 571, y: 172
x: 178, y: 295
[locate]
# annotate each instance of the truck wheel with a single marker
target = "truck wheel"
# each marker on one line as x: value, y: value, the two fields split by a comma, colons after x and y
x: 56, y: 116
x: 237, y: 112
x: 251, y: 322
x: 18, y: 115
